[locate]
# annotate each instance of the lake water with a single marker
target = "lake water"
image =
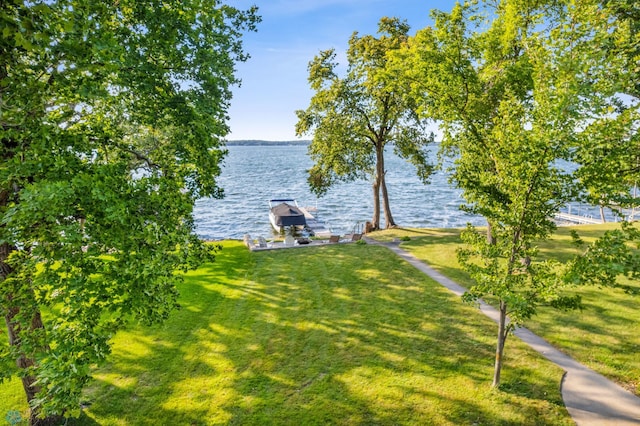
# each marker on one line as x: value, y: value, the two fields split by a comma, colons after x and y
x: 254, y: 174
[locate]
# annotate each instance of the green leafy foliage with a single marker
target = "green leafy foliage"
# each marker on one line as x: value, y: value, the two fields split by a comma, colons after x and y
x: 523, y: 288
x: 519, y: 87
x: 608, y: 148
x: 353, y: 118
x: 608, y: 258
x: 111, y: 118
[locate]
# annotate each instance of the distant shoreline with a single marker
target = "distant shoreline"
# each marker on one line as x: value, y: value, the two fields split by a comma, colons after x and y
x: 267, y: 143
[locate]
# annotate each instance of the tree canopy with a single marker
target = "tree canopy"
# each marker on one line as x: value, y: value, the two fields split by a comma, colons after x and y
x: 353, y: 118
x: 112, y: 116
x: 606, y: 41
x: 507, y: 84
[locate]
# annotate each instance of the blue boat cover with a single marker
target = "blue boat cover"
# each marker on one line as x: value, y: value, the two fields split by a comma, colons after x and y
x: 288, y: 215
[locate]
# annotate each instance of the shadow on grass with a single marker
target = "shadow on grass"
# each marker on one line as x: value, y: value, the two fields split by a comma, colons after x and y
x: 82, y: 420
x: 600, y: 335
x: 334, y: 335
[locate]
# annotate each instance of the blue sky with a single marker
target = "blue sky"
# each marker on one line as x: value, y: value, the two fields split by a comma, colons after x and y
x: 292, y: 32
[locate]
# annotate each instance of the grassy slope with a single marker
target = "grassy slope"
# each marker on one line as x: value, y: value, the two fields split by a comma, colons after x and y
x: 604, y: 335
x: 343, y: 334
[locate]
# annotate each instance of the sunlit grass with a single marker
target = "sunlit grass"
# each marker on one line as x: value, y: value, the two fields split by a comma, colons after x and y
x: 344, y: 334
x: 604, y: 335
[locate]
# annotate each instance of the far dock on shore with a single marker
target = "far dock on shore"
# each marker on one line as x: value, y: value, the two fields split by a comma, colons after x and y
x: 576, y: 219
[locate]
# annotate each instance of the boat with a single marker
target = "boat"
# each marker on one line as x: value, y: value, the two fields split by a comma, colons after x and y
x: 285, y: 212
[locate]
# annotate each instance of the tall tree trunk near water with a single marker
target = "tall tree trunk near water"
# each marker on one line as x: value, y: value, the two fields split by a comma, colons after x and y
x: 378, y: 181
x: 375, y: 221
x: 390, y: 223
x: 382, y: 184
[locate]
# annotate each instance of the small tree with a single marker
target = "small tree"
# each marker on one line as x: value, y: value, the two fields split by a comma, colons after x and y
x: 499, y: 93
x: 355, y: 117
x: 111, y: 119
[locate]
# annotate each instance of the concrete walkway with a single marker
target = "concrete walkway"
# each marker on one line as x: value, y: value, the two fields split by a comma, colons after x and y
x: 590, y: 398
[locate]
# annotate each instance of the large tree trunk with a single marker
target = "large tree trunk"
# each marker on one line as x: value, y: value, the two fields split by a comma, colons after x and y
x: 502, y: 338
x: 28, y: 382
x: 13, y: 329
x: 380, y: 177
x: 375, y: 220
x: 24, y: 360
x: 12, y: 309
x: 388, y: 218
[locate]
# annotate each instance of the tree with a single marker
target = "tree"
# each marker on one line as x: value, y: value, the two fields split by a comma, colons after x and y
x: 355, y: 117
x: 508, y: 113
x: 111, y: 119
x: 606, y: 40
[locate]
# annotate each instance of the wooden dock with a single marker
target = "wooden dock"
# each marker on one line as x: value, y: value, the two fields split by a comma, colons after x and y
x: 317, y: 226
x: 577, y: 219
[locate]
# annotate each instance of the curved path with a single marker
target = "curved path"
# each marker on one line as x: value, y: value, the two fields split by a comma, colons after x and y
x: 590, y: 398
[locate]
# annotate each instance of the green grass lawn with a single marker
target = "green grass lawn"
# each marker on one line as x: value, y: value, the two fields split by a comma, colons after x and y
x: 340, y: 334
x: 604, y: 335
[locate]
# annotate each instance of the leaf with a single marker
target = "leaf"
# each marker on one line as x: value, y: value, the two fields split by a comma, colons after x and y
x: 105, y: 150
